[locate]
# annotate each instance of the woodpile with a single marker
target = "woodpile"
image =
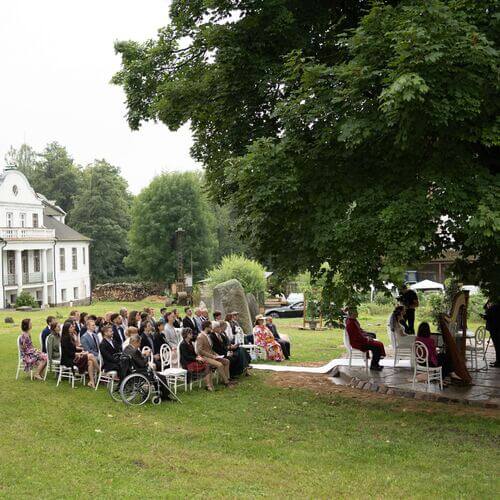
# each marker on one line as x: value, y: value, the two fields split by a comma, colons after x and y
x: 126, y: 292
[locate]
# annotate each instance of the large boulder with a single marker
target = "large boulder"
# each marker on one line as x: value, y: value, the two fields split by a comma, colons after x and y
x: 230, y: 296
x: 253, y: 306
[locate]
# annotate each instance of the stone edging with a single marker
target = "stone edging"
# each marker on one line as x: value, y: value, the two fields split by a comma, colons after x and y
x: 427, y: 396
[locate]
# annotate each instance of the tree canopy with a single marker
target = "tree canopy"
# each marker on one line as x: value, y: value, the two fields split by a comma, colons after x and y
x: 171, y: 200
x: 102, y: 212
x: 361, y: 134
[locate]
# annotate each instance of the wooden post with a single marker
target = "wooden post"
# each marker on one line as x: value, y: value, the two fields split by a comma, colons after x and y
x: 305, y: 312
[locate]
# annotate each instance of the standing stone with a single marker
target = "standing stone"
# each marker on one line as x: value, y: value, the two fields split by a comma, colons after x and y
x: 230, y: 296
x: 253, y: 306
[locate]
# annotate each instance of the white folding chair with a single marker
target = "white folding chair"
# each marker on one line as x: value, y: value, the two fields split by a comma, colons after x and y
x: 52, y: 364
x: 400, y: 353
x: 170, y: 372
x: 478, y: 348
x: 420, y: 360
x: 20, y: 364
x: 69, y: 373
x: 353, y: 352
x: 107, y: 377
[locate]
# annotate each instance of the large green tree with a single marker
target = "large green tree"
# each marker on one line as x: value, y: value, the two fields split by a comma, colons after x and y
x: 368, y: 149
x: 56, y: 176
x: 102, y: 212
x: 24, y: 159
x: 171, y: 201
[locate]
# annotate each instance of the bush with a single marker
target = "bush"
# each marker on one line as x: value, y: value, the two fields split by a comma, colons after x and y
x: 248, y: 272
x: 383, y: 298
x: 26, y: 299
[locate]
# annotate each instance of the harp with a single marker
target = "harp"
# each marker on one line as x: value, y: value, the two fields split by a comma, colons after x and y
x: 452, y: 325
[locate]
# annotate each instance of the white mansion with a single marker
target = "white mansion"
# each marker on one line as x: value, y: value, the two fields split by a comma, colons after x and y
x: 40, y: 253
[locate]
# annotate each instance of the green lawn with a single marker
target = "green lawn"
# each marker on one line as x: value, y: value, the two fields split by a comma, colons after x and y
x: 257, y: 440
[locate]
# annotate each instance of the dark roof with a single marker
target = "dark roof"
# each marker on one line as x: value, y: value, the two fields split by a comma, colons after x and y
x: 63, y: 232
x: 49, y: 206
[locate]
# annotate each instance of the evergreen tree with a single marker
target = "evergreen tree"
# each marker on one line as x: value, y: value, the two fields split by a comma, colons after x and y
x: 102, y: 212
x: 171, y: 201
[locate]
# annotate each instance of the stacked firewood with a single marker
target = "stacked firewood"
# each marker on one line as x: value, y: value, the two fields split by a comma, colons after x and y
x: 126, y: 292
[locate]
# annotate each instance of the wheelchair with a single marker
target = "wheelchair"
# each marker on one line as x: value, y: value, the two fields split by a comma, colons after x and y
x: 138, y: 387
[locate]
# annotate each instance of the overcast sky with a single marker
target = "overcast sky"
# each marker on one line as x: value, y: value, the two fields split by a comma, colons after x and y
x: 57, y: 59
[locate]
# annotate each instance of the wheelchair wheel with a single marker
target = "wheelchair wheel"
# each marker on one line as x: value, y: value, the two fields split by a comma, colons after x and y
x: 135, y: 389
x: 114, y: 390
x: 156, y: 400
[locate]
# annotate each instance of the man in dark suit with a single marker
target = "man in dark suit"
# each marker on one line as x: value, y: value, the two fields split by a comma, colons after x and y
x: 189, y: 322
x: 118, y: 330
x: 139, y: 360
x: 284, y: 343
x: 108, y: 350
x: 147, y: 340
x: 51, y: 322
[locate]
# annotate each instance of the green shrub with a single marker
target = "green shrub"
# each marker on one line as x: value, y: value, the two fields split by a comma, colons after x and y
x: 249, y: 273
x: 383, y: 299
x: 26, y: 299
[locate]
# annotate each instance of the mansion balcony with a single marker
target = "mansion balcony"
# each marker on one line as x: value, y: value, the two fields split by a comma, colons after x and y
x: 27, y: 233
x: 28, y: 278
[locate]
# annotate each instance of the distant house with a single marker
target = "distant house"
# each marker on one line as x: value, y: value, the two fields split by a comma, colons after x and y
x: 40, y: 253
x: 435, y: 270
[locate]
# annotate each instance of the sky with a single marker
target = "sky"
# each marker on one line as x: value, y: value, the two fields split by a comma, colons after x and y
x: 56, y: 61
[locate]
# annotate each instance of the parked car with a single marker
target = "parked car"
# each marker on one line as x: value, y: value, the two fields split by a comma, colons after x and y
x: 295, y: 310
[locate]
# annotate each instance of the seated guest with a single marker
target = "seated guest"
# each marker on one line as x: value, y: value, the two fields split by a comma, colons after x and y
x: 359, y: 339
x: 396, y: 322
x: 189, y: 322
x: 124, y: 315
x: 282, y: 341
x: 140, y: 360
x: 131, y: 330
x: 238, y: 331
x: 217, y: 316
x: 198, y: 319
x: 263, y: 337
x: 193, y: 363
x: 73, y: 355
x: 209, y: 356
x: 109, y: 351
x: 32, y: 358
x: 83, y: 322
x: 118, y: 330
x: 158, y: 340
x: 146, y: 332
x: 177, y: 318
x: 90, y: 340
x: 54, y: 344
x: 162, y: 320
x: 172, y: 336
x: 75, y: 316
x: 435, y: 359
x: 229, y: 330
x: 134, y: 318
x: 238, y: 357
x: 47, y: 330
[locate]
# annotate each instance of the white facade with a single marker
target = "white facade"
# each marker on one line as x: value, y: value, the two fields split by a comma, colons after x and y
x: 40, y: 254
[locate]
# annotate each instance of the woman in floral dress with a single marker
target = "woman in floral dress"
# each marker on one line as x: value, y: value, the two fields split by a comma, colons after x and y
x: 32, y: 358
x: 263, y: 337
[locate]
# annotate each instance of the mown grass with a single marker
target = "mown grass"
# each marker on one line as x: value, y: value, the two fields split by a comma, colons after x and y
x: 257, y: 440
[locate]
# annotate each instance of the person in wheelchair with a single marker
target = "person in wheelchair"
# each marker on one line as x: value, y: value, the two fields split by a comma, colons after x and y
x: 141, y: 363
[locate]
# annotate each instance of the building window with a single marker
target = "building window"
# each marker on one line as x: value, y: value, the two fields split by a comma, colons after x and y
x: 62, y: 259
x: 22, y: 219
x: 84, y: 256
x: 10, y: 219
x: 75, y: 293
x: 38, y: 295
x: 74, y: 258
x: 36, y: 261
x: 35, y: 220
x: 63, y: 294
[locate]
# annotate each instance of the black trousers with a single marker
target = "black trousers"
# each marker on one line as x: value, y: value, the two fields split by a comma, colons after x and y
x: 285, y: 347
x: 376, y: 352
x: 409, y: 318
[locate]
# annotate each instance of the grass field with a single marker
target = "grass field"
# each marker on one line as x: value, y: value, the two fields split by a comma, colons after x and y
x: 258, y: 440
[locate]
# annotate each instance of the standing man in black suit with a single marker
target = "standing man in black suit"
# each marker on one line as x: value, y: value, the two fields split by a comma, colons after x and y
x: 189, y: 322
x: 108, y: 350
x: 118, y: 330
